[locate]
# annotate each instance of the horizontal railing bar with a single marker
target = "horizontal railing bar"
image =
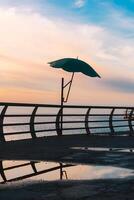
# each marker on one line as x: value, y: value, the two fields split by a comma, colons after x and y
x: 83, y: 121
x: 72, y: 128
x: 26, y: 115
x: 37, y: 131
x: 97, y: 107
x: 40, y: 123
x: 17, y: 133
x: 64, y: 122
x: 24, y: 132
x: 97, y: 115
x: 16, y: 124
x: 98, y: 121
x: 93, y: 127
x: 47, y: 130
x: 120, y: 120
x: 36, y: 123
x: 121, y: 126
x: 65, y: 106
x: 99, y: 127
x: 41, y: 115
x: 64, y: 115
x: 29, y: 105
x: 64, y: 129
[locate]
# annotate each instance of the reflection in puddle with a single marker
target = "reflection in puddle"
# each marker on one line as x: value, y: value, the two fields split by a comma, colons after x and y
x: 20, y: 170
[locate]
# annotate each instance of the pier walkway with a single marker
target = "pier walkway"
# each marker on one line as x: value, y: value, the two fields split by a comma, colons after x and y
x: 61, y: 148
x: 51, y: 133
x: 93, y: 135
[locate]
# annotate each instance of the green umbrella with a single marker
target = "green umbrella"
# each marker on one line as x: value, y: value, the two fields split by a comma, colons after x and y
x: 71, y: 65
x: 74, y: 65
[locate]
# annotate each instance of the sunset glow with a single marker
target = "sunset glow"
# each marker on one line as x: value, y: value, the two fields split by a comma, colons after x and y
x: 32, y: 33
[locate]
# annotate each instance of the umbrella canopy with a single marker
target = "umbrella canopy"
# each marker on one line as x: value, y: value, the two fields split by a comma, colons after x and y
x: 74, y: 65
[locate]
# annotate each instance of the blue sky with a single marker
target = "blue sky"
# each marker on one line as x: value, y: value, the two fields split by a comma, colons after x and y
x: 93, y: 8
x: 106, y: 13
x: 87, y: 8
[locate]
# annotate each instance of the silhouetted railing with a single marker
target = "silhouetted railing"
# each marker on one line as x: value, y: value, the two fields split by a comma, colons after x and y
x: 22, y: 121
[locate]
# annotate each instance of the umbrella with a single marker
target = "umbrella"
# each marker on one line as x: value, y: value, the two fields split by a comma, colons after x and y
x: 72, y: 65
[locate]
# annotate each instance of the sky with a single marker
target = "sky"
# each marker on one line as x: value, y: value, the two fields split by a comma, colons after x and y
x: 34, y: 32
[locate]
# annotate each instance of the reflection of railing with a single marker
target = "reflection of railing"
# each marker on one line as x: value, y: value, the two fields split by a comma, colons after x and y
x: 6, y: 172
x: 36, y: 120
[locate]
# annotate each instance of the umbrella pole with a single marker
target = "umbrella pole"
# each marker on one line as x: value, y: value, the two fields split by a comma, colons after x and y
x: 70, y: 84
x: 62, y: 96
x: 62, y: 101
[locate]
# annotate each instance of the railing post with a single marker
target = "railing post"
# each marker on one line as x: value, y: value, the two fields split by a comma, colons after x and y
x: 86, y: 121
x: 2, y: 138
x: 62, y: 101
x: 59, y: 117
x: 61, y: 171
x: 130, y: 122
x: 58, y: 123
x: 2, y: 172
x: 33, y: 167
x: 111, y: 121
x: 32, y: 127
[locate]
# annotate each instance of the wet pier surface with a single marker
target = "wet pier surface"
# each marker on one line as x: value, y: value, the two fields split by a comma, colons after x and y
x: 73, y: 149
x: 71, y: 190
x: 92, y: 150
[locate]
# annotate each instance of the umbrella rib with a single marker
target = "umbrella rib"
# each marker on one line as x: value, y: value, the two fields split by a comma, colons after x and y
x: 70, y: 82
x: 67, y: 83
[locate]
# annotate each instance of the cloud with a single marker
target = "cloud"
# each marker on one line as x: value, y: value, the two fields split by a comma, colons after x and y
x: 120, y: 85
x: 116, y: 18
x: 29, y: 40
x: 79, y: 3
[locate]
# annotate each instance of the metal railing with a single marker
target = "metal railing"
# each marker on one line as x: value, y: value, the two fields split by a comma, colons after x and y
x: 22, y: 121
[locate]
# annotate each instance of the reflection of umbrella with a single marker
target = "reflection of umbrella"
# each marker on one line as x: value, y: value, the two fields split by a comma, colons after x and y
x: 72, y: 65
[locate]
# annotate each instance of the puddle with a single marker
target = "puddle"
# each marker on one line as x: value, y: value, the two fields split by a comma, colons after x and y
x: 104, y: 149
x: 46, y: 171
